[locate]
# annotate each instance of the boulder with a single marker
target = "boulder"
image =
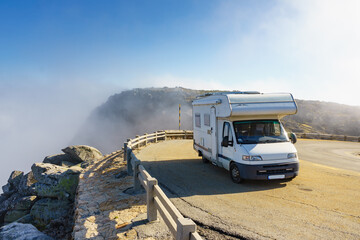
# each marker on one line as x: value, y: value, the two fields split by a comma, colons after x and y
x: 26, y: 185
x: 13, y: 215
x: 55, y: 181
x: 19, y: 208
x: 83, y: 153
x: 58, y: 159
x: 46, y: 210
x: 19, y: 231
x: 7, y: 204
x: 15, y: 177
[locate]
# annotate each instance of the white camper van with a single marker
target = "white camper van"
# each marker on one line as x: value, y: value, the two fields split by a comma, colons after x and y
x: 242, y: 132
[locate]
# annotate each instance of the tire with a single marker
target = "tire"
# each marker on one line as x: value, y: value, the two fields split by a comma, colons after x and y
x: 204, y: 160
x: 235, y: 173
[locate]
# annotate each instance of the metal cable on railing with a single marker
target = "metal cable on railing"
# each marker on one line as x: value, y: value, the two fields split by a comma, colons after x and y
x: 156, y: 200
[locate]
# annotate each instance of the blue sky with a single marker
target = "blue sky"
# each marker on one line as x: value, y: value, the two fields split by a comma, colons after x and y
x: 61, y: 59
x: 247, y: 45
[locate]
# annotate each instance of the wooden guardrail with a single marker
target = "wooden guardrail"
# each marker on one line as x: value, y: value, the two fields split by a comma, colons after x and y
x: 329, y: 137
x: 156, y: 200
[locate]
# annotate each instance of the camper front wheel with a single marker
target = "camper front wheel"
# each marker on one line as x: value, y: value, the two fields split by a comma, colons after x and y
x: 235, y: 173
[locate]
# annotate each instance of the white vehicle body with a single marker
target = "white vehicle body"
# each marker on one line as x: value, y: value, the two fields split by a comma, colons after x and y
x: 243, y: 131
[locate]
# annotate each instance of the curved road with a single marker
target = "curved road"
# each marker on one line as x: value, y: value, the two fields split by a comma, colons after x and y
x: 336, y: 154
x: 321, y: 203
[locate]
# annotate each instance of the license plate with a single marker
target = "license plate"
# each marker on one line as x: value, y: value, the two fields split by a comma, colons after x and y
x: 276, y: 177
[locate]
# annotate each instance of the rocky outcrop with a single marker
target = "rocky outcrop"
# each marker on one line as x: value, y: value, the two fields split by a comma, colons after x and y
x: 54, y: 181
x: 19, y: 231
x: 44, y: 197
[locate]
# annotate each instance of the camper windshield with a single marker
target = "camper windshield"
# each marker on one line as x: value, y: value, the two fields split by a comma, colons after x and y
x: 259, y: 131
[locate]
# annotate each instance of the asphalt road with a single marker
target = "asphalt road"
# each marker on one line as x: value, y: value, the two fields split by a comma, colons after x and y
x: 336, y: 154
x: 321, y: 203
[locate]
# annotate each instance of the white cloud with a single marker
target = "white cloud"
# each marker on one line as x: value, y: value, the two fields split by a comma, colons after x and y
x: 37, y: 120
x: 312, y: 45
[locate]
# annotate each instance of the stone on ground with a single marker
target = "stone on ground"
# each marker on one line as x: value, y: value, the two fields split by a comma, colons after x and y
x: 19, y: 231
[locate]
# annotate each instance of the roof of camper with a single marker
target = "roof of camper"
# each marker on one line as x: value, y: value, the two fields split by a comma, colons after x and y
x: 251, y: 97
x: 250, y: 103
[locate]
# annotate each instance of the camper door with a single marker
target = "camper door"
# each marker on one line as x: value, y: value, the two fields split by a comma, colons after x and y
x: 226, y: 153
x: 213, y: 133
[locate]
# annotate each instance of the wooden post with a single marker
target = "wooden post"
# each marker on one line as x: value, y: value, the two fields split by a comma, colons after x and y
x: 125, y: 150
x: 185, y: 226
x: 156, y: 137
x: 150, y: 202
x: 137, y: 144
x: 146, y: 141
x: 128, y: 162
x: 137, y: 184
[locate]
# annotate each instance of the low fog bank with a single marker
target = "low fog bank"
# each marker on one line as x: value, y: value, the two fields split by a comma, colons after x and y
x: 135, y: 112
x: 139, y: 111
x: 37, y: 120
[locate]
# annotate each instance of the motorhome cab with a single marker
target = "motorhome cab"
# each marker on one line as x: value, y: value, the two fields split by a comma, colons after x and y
x: 242, y: 132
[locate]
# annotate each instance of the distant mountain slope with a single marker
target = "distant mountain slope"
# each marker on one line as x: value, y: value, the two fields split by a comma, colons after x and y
x: 139, y: 111
x: 324, y: 117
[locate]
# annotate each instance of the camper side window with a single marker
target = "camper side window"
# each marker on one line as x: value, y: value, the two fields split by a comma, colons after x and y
x: 197, y: 120
x: 207, y: 120
x: 227, y: 135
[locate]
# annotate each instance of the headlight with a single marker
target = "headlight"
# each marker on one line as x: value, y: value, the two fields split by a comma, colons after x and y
x: 251, y: 158
x: 292, y: 155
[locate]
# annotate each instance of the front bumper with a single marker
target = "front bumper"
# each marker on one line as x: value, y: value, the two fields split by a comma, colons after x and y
x: 263, y: 171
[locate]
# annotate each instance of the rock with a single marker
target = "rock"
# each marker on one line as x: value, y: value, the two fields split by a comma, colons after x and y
x: 26, y: 185
x: 15, y: 177
x: 25, y: 203
x: 3, y: 197
x: 51, y: 174
x: 19, y: 208
x: 45, y: 210
x: 58, y: 159
x: 83, y: 153
x: 67, y: 164
x: 8, y: 189
x: 13, y: 215
x: 25, y: 219
x: 7, y: 204
x: 55, y: 181
x: 19, y: 231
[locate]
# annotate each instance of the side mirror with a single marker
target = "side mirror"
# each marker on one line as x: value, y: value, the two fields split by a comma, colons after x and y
x: 225, y: 142
x: 293, y: 137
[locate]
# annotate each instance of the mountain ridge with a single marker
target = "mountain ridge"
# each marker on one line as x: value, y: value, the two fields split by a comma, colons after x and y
x: 144, y: 110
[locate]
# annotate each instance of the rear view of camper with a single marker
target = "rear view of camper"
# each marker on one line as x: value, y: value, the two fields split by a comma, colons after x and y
x: 242, y: 132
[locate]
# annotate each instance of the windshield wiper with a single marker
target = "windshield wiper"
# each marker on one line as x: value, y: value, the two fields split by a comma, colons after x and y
x: 249, y: 141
